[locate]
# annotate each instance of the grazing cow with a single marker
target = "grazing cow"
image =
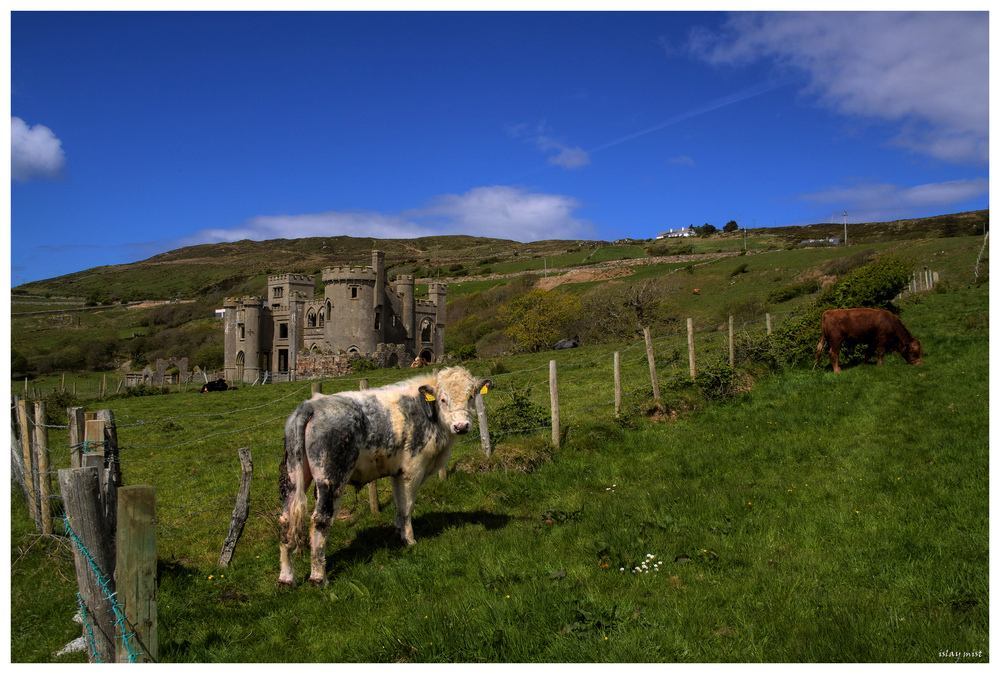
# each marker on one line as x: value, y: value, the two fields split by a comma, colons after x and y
x: 405, y: 431
x: 567, y: 343
x: 217, y: 385
x: 875, y: 328
x: 419, y: 362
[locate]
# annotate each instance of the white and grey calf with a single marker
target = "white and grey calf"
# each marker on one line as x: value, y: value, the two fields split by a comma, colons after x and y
x: 404, y: 431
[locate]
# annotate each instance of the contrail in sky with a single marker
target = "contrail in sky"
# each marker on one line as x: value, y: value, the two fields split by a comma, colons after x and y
x: 708, y: 107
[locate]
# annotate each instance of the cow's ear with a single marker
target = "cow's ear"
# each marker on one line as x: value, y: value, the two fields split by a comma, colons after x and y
x: 429, y: 399
x: 484, y: 386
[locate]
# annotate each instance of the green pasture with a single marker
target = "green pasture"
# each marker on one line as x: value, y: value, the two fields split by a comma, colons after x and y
x: 815, y: 517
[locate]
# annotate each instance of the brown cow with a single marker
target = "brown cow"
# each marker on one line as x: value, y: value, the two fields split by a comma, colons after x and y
x: 872, y: 327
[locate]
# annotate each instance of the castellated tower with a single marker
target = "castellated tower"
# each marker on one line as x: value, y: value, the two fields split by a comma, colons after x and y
x: 359, y: 313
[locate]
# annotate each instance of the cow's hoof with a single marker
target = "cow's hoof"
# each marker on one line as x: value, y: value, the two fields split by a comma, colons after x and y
x: 320, y: 582
x: 286, y: 583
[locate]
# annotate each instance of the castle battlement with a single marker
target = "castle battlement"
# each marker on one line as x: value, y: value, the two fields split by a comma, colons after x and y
x: 290, y: 278
x: 342, y: 274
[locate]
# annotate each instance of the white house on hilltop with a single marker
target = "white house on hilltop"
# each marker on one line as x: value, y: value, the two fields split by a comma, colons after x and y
x: 675, y: 233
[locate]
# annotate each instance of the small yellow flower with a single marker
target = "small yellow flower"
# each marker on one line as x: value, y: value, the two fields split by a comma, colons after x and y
x: 211, y: 577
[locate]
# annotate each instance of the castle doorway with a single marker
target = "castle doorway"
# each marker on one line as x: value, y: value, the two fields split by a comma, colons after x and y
x: 240, y: 362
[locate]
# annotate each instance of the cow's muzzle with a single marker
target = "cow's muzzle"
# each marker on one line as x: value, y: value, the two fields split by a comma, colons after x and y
x: 461, y: 427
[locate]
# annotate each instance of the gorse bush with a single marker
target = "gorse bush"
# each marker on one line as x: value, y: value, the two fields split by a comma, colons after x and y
x: 791, y: 291
x: 537, y: 320
x: 516, y: 415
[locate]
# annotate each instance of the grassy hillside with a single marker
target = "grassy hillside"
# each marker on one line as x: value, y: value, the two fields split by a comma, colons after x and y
x: 814, y: 518
x: 216, y: 270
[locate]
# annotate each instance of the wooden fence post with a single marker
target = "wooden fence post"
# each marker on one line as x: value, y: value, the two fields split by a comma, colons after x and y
x: 554, y: 401
x: 732, y: 352
x: 27, y: 441
x: 373, y: 485
x: 484, y: 429
x: 317, y: 388
x: 652, y: 364
x: 618, y: 384
x: 42, y: 461
x: 81, y: 493
x: 111, y: 477
x: 240, y: 511
x: 767, y: 320
x: 135, y: 574
x: 691, y: 345
x: 75, y: 417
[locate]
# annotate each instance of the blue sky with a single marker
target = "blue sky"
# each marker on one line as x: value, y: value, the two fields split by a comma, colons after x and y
x: 137, y: 133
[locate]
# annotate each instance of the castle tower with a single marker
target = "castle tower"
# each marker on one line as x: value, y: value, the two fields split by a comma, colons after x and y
x: 438, y: 296
x: 350, y: 296
x: 404, y: 286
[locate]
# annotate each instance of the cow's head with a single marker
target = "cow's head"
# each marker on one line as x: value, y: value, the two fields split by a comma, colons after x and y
x: 452, y: 397
x: 913, y: 352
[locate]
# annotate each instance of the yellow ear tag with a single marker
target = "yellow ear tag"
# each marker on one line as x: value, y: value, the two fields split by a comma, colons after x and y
x: 429, y: 398
x: 483, y: 390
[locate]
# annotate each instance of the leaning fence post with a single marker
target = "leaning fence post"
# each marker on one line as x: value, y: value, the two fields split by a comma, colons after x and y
x: 554, y: 401
x: 652, y: 363
x: 27, y: 440
x: 87, y: 527
x: 618, y: 384
x: 42, y: 461
x: 76, y: 419
x: 691, y: 345
x: 135, y: 574
x: 240, y: 511
x: 484, y: 429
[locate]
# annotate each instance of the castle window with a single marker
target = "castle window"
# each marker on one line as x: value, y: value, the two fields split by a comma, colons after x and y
x: 242, y: 330
x: 354, y: 292
x: 277, y: 292
x: 378, y: 320
x: 425, y: 330
x: 283, y: 330
x: 311, y: 319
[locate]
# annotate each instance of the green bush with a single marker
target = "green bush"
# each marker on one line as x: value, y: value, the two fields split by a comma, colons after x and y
x: 790, y: 292
x: 517, y: 415
x: 465, y: 352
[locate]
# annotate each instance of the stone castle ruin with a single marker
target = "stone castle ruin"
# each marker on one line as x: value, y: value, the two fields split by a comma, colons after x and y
x: 295, y: 334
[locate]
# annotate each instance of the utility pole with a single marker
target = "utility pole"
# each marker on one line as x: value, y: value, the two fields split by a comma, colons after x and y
x: 845, y: 228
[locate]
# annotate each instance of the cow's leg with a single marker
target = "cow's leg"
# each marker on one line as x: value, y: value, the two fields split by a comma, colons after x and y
x: 327, y: 506
x: 835, y: 355
x: 404, y: 493
x: 819, y: 351
x: 291, y: 524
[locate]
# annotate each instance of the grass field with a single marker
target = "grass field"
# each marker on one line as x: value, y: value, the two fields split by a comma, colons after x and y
x: 816, y: 518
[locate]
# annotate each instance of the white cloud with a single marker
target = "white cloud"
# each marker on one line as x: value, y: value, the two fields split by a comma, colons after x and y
x: 926, y: 71
x: 498, y: 211
x: 566, y: 156
x: 34, y: 151
x: 681, y: 160
x: 867, y: 202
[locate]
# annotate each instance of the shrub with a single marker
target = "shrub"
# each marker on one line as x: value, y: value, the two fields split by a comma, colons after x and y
x: 741, y: 269
x: 537, y: 320
x: 790, y: 292
x: 517, y: 414
x: 874, y: 285
x: 465, y: 352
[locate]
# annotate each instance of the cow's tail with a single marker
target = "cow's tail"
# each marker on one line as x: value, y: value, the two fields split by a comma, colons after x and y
x: 819, y: 350
x: 292, y: 479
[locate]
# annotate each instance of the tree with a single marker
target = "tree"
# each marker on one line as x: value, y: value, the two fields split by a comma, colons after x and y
x: 706, y: 229
x: 536, y: 320
x: 731, y: 226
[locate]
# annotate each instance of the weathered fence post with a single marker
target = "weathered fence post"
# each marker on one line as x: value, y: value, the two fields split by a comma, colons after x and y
x: 618, y: 384
x: 373, y: 485
x: 652, y: 363
x: 317, y: 388
x: 691, y: 345
x: 135, y: 574
x: 484, y: 429
x: 554, y: 401
x: 732, y: 352
x: 81, y: 493
x: 111, y: 478
x: 767, y: 320
x: 42, y: 461
x: 240, y: 510
x: 77, y: 423
x: 27, y: 441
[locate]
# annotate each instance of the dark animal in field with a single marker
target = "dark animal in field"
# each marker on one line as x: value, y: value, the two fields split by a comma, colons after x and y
x: 217, y: 385
x: 567, y: 343
x: 879, y: 330
x: 404, y: 431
